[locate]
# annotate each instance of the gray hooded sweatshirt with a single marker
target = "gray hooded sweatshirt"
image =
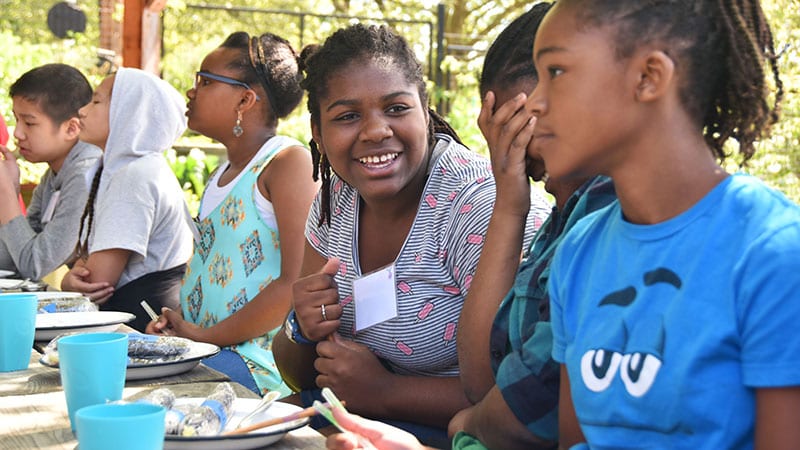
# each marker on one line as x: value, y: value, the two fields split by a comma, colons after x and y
x: 140, y: 205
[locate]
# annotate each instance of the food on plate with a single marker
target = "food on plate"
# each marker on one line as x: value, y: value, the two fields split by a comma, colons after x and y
x: 142, y: 349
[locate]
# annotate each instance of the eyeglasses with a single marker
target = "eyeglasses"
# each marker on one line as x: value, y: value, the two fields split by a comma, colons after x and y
x: 223, y: 79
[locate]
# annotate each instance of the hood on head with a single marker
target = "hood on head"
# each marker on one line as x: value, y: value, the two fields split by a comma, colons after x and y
x: 146, y: 116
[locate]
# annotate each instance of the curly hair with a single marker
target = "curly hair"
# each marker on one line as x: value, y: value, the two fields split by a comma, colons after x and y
x: 359, y: 42
x: 723, y: 49
x: 271, y: 62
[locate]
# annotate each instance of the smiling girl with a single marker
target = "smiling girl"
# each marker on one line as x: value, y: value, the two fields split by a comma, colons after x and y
x: 406, y: 202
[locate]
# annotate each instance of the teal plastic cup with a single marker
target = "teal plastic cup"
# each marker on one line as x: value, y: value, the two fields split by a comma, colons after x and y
x: 121, y: 426
x: 17, y: 329
x: 92, y: 367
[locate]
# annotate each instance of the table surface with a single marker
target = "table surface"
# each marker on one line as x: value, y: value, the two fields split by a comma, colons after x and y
x: 33, y: 410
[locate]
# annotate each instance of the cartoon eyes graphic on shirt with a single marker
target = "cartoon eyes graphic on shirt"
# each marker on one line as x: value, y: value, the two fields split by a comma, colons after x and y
x: 638, y: 372
x: 638, y: 369
x: 598, y: 368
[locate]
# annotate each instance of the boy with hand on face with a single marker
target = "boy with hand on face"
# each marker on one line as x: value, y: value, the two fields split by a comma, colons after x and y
x: 45, y: 105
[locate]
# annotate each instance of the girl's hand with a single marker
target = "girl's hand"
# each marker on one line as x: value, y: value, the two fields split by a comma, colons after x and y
x: 161, y: 326
x: 508, y: 131
x: 368, y: 434
x: 77, y: 280
x: 353, y: 372
x: 175, y: 325
x: 310, y: 293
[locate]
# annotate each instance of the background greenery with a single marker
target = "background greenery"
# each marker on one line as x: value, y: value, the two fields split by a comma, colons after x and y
x: 470, y: 26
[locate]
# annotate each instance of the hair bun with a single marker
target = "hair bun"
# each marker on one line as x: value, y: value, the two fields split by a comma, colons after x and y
x: 306, y: 53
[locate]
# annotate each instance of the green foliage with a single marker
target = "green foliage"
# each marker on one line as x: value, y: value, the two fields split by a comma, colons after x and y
x: 190, y: 33
x: 192, y: 171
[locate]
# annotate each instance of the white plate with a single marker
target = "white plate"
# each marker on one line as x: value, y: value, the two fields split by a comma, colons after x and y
x: 252, y: 440
x: 51, y: 325
x: 183, y: 363
x: 48, y: 295
x: 11, y: 283
x: 6, y: 273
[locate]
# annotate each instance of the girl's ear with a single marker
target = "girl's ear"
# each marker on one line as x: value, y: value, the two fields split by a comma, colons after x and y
x: 317, y: 137
x: 656, y: 75
x: 71, y: 128
x: 248, y: 100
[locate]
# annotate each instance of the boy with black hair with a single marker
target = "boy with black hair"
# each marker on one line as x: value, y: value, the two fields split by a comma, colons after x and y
x: 45, y: 105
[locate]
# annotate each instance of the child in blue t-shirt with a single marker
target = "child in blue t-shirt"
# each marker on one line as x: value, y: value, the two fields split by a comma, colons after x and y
x: 674, y: 309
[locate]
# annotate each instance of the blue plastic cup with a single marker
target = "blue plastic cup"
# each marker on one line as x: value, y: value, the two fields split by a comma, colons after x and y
x: 121, y: 426
x: 17, y: 329
x: 92, y: 367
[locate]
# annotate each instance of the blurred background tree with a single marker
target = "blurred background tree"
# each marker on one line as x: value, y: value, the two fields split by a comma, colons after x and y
x: 192, y: 29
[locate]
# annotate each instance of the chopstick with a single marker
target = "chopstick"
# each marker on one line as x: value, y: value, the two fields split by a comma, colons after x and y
x: 149, y: 310
x: 308, y: 412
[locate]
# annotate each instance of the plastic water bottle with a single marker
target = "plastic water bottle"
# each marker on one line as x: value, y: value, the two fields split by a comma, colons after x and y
x: 161, y: 397
x: 210, y: 417
x: 175, y: 413
x: 174, y: 417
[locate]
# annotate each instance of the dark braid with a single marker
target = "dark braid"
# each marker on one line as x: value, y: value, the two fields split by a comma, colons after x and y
x: 268, y: 61
x: 322, y: 168
x: 438, y: 125
x: 719, y: 48
x: 366, y: 43
x: 82, y: 247
x: 510, y: 57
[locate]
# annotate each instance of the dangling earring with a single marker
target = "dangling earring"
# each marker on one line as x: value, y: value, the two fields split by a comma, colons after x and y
x: 237, y: 129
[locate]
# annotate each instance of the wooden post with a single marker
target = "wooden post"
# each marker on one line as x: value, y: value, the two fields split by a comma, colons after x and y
x: 151, y: 36
x: 132, y: 33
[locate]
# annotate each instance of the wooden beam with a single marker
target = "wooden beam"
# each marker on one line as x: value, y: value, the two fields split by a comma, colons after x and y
x: 132, y: 33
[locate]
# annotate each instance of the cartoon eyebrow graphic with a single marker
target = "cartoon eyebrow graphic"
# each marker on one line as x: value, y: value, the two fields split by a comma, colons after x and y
x: 626, y: 296
x: 662, y: 275
x: 623, y: 297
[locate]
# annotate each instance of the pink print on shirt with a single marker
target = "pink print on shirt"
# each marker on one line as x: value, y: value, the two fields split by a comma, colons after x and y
x: 476, y: 239
x: 408, y: 351
x: 455, y: 290
x: 430, y: 200
x: 467, y: 282
x: 404, y: 287
x: 423, y: 313
x: 449, y: 333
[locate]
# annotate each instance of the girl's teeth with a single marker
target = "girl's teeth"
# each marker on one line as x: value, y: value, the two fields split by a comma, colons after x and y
x: 374, y: 159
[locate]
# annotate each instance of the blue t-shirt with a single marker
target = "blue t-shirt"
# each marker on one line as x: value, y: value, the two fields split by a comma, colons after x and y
x: 666, y: 330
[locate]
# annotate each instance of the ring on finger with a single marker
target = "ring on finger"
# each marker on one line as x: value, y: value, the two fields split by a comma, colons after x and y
x: 324, y: 315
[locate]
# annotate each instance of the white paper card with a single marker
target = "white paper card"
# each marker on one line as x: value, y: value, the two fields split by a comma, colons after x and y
x: 375, y: 298
x: 51, y: 207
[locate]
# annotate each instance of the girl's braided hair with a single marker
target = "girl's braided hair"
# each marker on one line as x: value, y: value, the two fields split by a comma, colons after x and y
x: 268, y: 61
x: 359, y: 42
x: 720, y: 47
x: 82, y: 247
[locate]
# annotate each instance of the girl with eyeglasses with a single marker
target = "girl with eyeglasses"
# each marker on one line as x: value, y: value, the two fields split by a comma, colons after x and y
x: 249, y: 245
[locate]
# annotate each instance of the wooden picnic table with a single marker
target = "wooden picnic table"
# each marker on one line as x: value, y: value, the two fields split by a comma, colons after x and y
x: 33, y: 410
